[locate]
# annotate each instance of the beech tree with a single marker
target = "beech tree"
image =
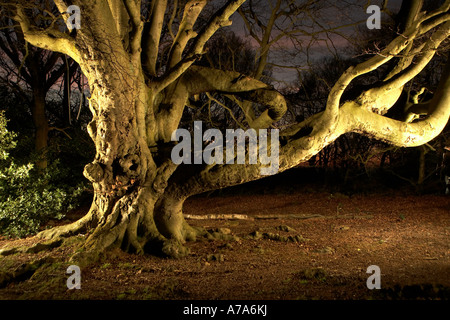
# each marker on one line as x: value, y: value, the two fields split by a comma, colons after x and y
x: 137, y: 100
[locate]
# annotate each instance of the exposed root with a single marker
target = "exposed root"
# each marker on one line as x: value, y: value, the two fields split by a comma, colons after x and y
x: 23, y: 272
x: 191, y: 233
x: 128, y: 223
x: 174, y: 249
x: 67, y: 230
x: 38, y: 247
x: 276, y: 237
x: 220, y: 234
x: 131, y: 227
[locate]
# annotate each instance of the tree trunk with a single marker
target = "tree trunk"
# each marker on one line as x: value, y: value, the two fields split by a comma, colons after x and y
x: 127, y: 182
x: 66, y: 100
x: 41, y: 126
x: 422, y: 167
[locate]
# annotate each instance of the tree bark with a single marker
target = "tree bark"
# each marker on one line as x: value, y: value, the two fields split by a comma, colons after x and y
x: 126, y: 179
x: 41, y: 127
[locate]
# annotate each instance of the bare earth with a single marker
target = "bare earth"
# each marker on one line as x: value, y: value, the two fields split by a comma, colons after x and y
x: 319, y: 247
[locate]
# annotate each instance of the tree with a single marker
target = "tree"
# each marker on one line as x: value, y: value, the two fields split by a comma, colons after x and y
x: 137, y: 103
x: 26, y: 69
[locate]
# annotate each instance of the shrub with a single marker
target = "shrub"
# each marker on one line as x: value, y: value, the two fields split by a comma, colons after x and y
x: 29, y: 198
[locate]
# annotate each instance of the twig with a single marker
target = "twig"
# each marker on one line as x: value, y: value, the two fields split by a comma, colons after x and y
x: 61, y: 130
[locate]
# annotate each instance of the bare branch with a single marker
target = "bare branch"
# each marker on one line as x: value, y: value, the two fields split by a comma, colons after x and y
x: 249, y: 26
x: 226, y: 108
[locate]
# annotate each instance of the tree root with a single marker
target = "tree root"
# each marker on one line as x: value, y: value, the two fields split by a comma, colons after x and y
x: 256, y: 235
x: 220, y: 234
x: 127, y: 223
x: 23, y: 272
x: 174, y: 249
x: 67, y: 230
x: 122, y: 235
x: 38, y: 247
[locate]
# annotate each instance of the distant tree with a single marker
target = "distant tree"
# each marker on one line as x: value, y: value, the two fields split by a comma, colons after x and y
x: 32, y: 72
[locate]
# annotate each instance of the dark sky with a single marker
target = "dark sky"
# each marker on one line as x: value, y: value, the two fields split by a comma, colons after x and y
x: 334, y: 13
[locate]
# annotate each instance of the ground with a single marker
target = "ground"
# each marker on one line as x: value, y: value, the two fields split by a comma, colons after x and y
x: 286, y: 246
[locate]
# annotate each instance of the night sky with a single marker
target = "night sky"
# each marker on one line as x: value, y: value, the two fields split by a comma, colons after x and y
x: 335, y: 14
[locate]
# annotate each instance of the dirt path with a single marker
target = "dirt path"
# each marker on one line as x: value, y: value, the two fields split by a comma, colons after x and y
x: 324, y: 255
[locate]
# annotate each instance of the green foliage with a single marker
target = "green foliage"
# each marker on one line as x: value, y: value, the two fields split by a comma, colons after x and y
x: 6, y: 138
x: 29, y: 198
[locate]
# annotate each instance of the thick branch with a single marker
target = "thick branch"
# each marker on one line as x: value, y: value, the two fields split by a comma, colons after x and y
x: 121, y: 19
x: 152, y: 36
x: 50, y: 39
x: 334, y: 98
x: 133, y: 8
x: 191, y: 180
x: 381, y: 99
x: 201, y: 79
x: 302, y: 143
x: 220, y: 19
x: 402, y: 133
x: 185, y: 31
x: 301, y: 147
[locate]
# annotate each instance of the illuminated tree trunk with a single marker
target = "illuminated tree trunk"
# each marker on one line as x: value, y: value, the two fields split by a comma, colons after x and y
x: 127, y: 181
